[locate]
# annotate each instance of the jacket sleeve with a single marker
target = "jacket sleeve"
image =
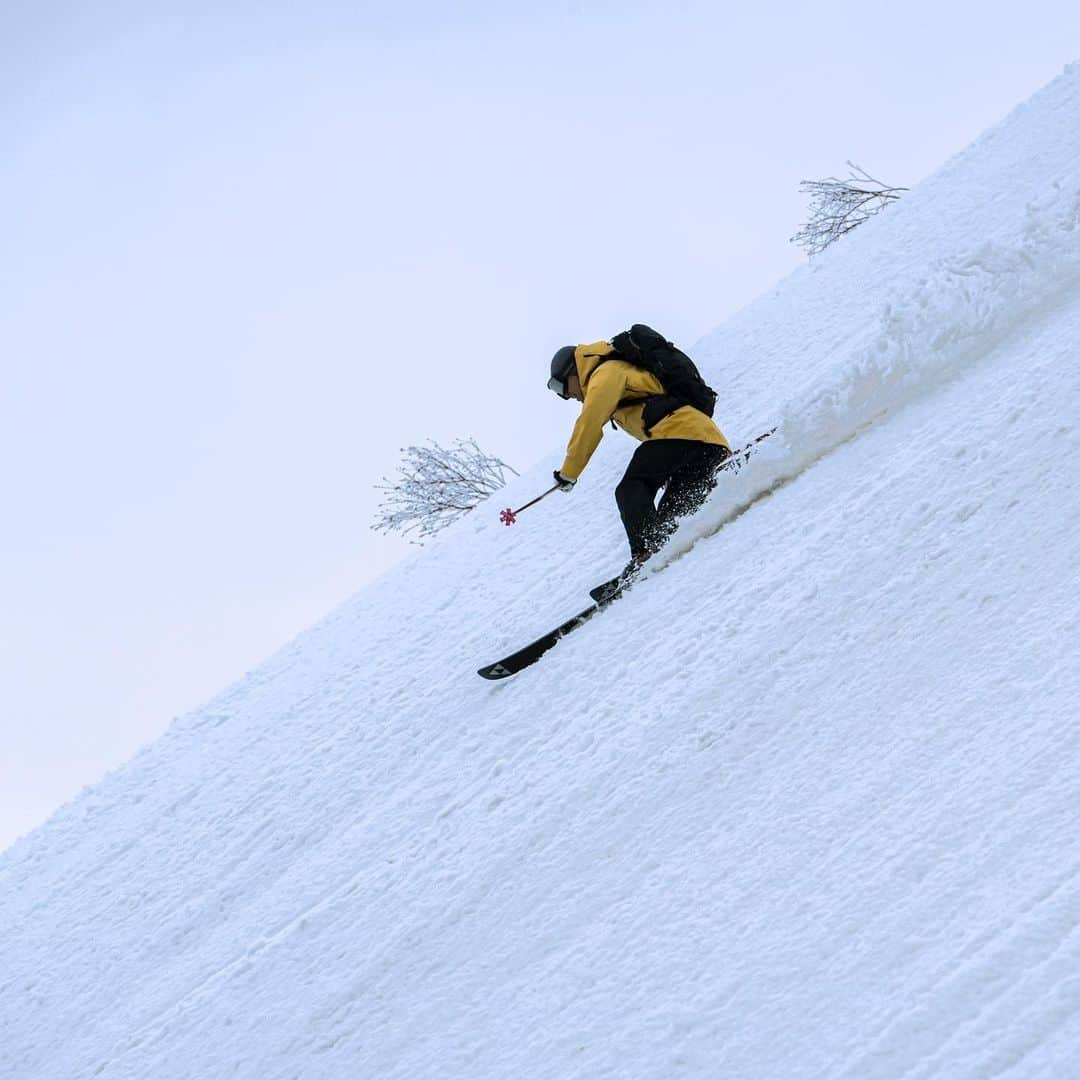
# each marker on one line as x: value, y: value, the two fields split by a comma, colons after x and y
x: 602, y: 397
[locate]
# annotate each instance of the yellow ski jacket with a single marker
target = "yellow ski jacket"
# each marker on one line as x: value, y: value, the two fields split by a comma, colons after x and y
x: 607, y: 383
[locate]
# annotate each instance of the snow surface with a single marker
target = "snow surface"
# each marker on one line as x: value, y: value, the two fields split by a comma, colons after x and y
x: 804, y: 804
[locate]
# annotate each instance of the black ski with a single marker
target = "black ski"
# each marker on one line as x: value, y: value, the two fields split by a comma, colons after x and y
x: 515, y: 662
x: 512, y: 664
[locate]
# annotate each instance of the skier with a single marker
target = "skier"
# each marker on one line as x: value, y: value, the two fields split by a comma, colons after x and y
x: 681, y: 448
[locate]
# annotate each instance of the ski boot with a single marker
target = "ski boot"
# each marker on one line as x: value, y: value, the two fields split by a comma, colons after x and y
x: 605, y: 593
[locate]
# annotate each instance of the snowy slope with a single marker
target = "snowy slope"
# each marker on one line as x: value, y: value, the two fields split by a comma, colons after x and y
x: 803, y: 804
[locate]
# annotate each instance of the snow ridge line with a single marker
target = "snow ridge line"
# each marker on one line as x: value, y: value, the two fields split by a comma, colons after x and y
x: 962, y: 309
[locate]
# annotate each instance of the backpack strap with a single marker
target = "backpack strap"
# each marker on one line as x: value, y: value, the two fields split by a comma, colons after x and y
x: 656, y: 408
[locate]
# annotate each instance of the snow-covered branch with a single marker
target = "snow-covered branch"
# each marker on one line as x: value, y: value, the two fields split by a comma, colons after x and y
x: 838, y: 206
x: 435, y: 485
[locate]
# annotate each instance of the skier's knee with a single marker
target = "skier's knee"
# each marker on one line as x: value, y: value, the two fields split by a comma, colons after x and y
x: 625, y: 493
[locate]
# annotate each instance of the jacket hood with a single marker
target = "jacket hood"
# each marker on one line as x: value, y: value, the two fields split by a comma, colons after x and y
x: 587, y: 358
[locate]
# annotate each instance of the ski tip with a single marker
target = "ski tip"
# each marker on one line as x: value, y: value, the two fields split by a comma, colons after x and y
x: 494, y: 672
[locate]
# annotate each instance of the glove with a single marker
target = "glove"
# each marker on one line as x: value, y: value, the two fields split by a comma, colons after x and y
x: 564, y: 482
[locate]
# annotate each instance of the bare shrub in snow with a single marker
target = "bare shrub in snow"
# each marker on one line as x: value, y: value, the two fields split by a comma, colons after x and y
x: 435, y: 485
x: 838, y: 206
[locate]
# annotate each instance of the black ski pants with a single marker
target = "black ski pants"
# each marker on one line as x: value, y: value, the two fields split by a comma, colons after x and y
x: 686, y: 469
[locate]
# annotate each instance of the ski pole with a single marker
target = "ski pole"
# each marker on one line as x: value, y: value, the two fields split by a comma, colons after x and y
x: 509, y: 517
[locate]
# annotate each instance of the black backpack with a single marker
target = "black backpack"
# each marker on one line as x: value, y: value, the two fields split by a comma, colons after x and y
x: 683, y: 385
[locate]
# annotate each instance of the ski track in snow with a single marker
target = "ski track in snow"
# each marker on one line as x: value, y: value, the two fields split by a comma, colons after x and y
x: 804, y: 804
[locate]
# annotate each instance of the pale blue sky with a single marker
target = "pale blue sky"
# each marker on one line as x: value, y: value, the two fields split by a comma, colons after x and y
x: 253, y: 249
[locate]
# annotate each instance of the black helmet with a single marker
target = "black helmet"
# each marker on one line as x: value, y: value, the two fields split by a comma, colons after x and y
x: 562, y: 367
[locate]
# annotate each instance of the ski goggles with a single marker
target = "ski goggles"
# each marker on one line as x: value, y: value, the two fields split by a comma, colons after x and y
x: 559, y: 386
